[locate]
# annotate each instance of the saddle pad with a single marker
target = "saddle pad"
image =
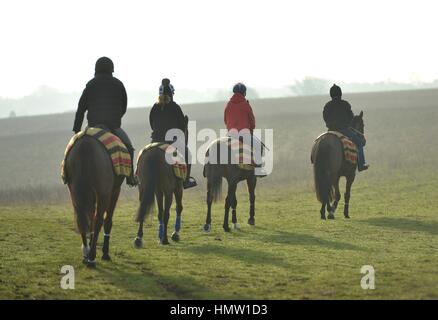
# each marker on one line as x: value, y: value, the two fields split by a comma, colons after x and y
x: 241, y: 152
x: 117, y: 151
x: 178, y: 164
x: 350, y: 149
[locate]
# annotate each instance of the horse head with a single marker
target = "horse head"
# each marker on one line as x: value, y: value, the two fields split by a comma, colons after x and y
x: 358, y: 123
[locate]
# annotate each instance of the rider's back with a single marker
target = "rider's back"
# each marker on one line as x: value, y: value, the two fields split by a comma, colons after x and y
x: 106, y: 101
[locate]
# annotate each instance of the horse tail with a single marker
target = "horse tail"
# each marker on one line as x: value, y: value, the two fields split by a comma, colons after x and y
x: 321, y: 168
x: 213, y: 174
x: 83, y: 196
x: 148, y: 180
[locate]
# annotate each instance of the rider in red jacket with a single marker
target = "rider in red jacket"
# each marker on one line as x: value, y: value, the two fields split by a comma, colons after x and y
x: 240, y: 121
x: 238, y: 113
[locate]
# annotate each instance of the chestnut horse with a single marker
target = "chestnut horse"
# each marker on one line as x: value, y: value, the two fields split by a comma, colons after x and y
x: 94, y: 190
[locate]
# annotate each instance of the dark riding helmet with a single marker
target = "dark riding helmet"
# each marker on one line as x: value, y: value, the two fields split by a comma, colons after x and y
x: 335, y: 92
x: 104, y: 65
x: 166, y: 88
x: 240, y: 88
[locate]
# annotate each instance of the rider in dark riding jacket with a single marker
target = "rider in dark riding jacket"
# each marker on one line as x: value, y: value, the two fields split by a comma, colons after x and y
x: 105, y: 100
x: 338, y: 117
x: 166, y: 115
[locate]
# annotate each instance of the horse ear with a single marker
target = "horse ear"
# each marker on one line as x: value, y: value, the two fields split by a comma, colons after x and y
x: 361, y: 114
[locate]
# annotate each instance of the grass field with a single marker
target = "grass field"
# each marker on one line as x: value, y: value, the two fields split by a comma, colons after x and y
x: 289, y: 254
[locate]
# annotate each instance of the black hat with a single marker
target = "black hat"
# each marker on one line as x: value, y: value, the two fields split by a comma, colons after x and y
x: 335, y: 92
x: 104, y: 65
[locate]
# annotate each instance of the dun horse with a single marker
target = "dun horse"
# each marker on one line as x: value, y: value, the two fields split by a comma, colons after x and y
x: 233, y: 174
x: 94, y: 190
x: 157, y: 179
x: 329, y: 166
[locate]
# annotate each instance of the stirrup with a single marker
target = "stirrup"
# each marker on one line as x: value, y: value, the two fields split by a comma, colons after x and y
x: 190, y: 183
x: 132, y: 181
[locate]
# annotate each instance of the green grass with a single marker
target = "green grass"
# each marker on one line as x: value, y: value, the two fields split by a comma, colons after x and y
x: 290, y: 254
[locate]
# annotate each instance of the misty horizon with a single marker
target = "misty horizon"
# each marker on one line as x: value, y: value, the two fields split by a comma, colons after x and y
x: 50, y: 100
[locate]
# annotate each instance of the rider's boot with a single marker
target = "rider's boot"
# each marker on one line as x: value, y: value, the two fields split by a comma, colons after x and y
x: 190, y: 182
x: 132, y: 179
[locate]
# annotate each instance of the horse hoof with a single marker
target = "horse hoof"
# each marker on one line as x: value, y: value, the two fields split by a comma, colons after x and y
x: 323, y: 217
x: 236, y: 226
x: 331, y: 216
x: 346, y: 216
x: 164, y: 242
x: 91, y: 264
x: 207, y: 227
x: 138, y: 243
x: 251, y: 221
x: 106, y: 257
x: 175, y: 237
x: 227, y: 229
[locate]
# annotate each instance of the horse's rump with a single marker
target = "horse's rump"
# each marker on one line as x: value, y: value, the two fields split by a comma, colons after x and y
x: 175, y: 158
x: 230, y: 151
x: 91, y: 176
x: 349, y: 148
x: 327, y: 157
x: 115, y: 150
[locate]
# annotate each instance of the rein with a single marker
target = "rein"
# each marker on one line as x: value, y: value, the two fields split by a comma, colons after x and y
x: 357, y: 131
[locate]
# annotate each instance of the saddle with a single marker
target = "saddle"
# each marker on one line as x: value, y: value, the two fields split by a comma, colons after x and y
x: 350, y: 148
x: 239, y: 153
x: 178, y: 164
x: 117, y: 151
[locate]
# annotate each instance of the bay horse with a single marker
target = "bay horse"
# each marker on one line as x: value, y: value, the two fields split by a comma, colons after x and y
x: 329, y: 166
x: 233, y: 174
x: 157, y: 180
x: 94, y: 190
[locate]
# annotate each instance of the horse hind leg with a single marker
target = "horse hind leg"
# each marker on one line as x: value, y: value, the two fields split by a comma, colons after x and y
x: 251, y: 183
x: 207, y: 226
x: 108, y: 224
x: 179, y: 208
x: 333, y: 208
x: 85, y: 247
x: 102, y: 206
x: 228, y: 202
x: 167, y: 204
x: 234, y: 214
x: 347, y: 195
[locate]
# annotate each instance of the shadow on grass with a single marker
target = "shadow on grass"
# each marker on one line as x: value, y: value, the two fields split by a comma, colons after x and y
x: 151, y: 285
x: 404, y: 224
x: 297, y: 239
x: 243, y: 254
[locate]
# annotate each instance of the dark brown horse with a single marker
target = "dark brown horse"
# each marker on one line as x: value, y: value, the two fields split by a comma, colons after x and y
x: 233, y: 174
x: 94, y: 190
x: 157, y: 180
x: 329, y: 166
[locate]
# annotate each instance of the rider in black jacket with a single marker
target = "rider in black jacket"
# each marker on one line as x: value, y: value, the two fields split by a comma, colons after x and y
x: 338, y: 117
x: 105, y: 100
x: 166, y: 115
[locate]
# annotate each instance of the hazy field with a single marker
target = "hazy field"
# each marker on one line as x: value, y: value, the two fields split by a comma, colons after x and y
x: 289, y: 254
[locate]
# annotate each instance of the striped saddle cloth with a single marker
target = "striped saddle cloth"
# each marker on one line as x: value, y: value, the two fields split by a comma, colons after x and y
x: 177, y: 160
x: 116, y: 150
x: 350, y: 149
x: 238, y: 153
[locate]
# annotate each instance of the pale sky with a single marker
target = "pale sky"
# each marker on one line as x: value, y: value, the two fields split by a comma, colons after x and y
x: 213, y: 44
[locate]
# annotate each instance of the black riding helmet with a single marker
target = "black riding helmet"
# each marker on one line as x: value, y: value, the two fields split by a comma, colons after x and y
x: 240, y: 88
x: 335, y: 92
x: 104, y: 65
